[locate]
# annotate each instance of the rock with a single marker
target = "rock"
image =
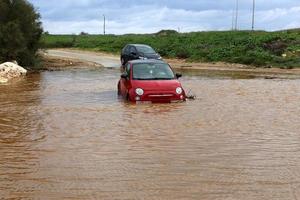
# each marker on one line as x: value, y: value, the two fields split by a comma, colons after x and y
x: 3, y: 80
x: 10, y: 70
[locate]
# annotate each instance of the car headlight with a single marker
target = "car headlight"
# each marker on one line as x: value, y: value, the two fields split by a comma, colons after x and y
x: 139, y: 91
x: 179, y: 90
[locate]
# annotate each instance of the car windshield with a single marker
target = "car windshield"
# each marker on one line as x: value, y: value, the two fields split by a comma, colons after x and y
x: 145, y: 49
x: 152, y: 71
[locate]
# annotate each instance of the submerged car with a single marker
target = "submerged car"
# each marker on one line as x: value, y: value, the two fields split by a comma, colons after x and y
x: 150, y: 81
x: 138, y: 51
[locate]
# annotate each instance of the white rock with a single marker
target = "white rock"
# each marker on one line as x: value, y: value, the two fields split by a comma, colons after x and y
x: 3, y: 80
x: 10, y: 70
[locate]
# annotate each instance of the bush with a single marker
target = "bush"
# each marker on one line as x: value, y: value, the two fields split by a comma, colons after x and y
x: 277, y: 47
x: 20, y: 31
x: 182, y: 53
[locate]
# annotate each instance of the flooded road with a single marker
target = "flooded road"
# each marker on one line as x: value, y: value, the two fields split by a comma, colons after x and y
x: 66, y: 135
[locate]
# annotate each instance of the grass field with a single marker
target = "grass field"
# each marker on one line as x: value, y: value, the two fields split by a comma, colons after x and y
x: 279, y: 49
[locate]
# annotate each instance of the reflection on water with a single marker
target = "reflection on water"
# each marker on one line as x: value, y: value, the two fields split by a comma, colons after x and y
x: 66, y: 135
x: 218, y: 74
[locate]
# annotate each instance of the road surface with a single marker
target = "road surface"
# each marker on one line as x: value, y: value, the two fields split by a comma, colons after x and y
x: 108, y: 61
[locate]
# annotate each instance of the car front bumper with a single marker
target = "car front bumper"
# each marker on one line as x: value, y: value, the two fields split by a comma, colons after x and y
x: 159, y: 97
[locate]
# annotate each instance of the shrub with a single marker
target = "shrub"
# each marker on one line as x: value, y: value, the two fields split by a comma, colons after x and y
x: 20, y: 31
x: 277, y: 47
x: 182, y: 53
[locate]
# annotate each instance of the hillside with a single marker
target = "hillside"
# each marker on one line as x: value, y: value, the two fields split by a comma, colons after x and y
x: 257, y: 48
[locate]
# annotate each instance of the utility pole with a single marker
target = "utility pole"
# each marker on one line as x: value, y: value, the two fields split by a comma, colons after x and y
x: 232, y: 20
x: 104, y: 24
x: 236, y: 14
x: 253, y: 15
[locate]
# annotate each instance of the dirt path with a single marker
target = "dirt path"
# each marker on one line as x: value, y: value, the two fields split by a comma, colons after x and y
x: 98, y: 58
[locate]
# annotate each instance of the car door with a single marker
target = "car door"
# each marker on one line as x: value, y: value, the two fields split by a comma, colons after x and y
x: 125, y: 83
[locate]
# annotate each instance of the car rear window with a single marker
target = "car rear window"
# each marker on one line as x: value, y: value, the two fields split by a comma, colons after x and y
x: 145, y: 49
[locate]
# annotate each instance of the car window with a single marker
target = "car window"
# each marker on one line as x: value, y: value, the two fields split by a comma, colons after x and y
x: 152, y: 71
x: 145, y: 49
x: 132, y: 49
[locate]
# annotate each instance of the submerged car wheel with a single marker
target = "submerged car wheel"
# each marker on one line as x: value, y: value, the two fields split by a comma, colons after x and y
x: 123, y: 61
x: 127, y: 97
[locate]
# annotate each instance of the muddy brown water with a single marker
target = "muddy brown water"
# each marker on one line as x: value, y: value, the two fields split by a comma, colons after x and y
x: 66, y: 135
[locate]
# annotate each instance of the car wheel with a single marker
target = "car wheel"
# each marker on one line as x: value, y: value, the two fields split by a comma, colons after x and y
x: 123, y: 61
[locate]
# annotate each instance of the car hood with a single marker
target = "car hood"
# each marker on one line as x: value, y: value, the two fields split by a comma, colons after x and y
x: 156, y: 85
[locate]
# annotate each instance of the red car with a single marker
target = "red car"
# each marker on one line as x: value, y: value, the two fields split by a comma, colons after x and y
x: 150, y: 81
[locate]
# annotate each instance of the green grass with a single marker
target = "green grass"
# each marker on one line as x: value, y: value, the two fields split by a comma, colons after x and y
x: 257, y: 48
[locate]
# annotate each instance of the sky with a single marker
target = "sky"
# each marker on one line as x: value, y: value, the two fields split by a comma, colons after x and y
x: 150, y: 16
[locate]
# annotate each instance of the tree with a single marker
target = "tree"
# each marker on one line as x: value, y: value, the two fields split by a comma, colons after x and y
x: 20, y: 31
x: 83, y: 33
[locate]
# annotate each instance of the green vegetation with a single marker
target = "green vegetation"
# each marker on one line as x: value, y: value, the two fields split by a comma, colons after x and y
x: 20, y: 32
x: 258, y: 48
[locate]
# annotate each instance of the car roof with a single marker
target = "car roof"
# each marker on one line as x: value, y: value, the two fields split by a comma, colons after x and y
x: 139, y: 45
x: 147, y: 61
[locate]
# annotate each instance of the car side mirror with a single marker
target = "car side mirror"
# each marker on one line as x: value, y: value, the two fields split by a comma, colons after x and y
x: 178, y: 75
x: 125, y: 76
x: 133, y: 53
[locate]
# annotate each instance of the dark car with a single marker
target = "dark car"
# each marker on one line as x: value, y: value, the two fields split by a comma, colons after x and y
x: 138, y: 51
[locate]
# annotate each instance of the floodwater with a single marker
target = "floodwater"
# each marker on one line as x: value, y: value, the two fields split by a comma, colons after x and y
x: 66, y: 135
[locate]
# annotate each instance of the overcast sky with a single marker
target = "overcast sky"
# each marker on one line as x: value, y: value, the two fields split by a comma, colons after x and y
x: 149, y: 16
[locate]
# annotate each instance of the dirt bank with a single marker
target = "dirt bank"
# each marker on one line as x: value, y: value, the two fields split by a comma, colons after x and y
x: 88, y: 57
x: 56, y: 63
x: 109, y: 60
x: 221, y: 66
